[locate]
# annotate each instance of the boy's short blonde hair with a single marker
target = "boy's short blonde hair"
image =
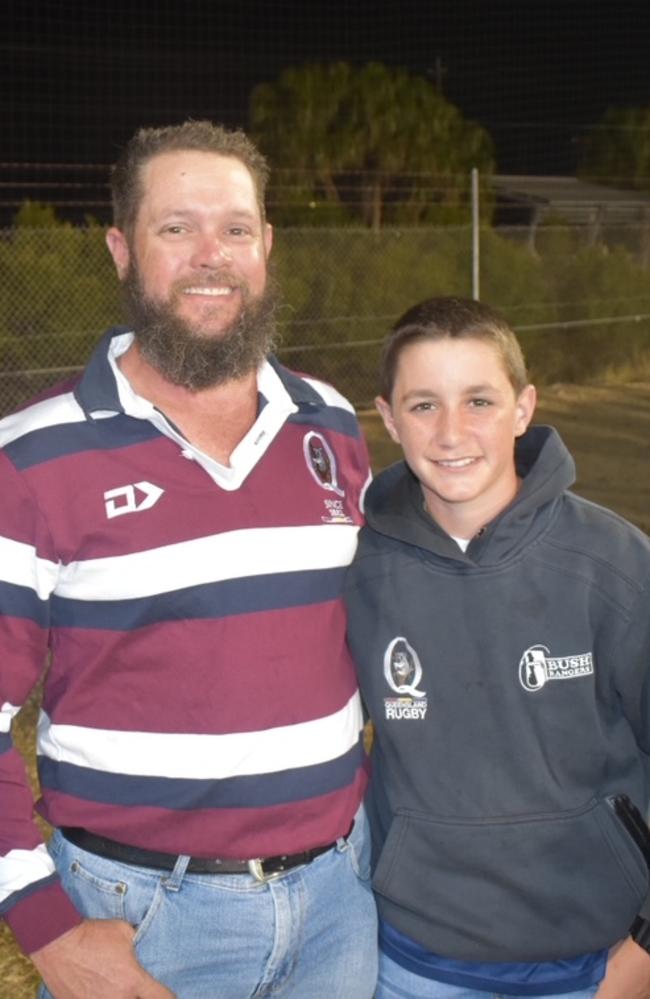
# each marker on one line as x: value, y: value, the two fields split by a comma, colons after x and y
x: 454, y: 319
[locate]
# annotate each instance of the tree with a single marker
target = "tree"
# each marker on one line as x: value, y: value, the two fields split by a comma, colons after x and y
x: 36, y: 215
x: 617, y: 150
x: 372, y: 143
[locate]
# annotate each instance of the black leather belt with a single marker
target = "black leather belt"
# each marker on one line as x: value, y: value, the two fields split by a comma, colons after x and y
x: 262, y: 868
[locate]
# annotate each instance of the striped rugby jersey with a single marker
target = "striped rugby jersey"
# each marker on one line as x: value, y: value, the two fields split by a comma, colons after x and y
x: 199, y: 697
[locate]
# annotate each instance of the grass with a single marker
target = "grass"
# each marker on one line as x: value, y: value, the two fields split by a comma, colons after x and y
x: 606, y: 427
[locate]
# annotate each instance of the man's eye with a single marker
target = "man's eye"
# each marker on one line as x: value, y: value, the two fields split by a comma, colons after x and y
x: 480, y: 403
x: 422, y: 407
x: 174, y: 230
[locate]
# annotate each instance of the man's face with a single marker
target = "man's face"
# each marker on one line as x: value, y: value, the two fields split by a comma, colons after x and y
x: 456, y: 416
x: 194, y: 271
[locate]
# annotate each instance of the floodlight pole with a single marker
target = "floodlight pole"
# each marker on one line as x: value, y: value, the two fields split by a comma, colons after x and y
x: 475, y: 236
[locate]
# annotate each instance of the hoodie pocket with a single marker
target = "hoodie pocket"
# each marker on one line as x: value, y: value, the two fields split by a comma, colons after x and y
x: 535, y: 888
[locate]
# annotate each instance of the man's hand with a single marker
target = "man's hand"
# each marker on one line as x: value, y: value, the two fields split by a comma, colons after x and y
x: 628, y: 973
x: 96, y: 959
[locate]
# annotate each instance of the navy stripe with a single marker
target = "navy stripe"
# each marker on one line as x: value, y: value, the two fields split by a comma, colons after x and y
x: 313, y: 408
x: 209, y: 601
x: 257, y: 791
x: 5, y: 742
x: 50, y: 443
x: 299, y: 390
x: 30, y: 889
x: 97, y: 388
x: 21, y: 601
x: 330, y: 418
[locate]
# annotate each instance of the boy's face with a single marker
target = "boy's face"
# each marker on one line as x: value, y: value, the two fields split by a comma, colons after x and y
x: 456, y: 415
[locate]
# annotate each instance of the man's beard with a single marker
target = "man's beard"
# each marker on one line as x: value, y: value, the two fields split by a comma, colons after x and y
x: 194, y: 360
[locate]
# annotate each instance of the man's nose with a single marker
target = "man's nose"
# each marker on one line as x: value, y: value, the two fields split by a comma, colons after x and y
x: 210, y: 250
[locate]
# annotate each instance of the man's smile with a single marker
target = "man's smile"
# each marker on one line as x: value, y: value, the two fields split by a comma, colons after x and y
x: 213, y: 292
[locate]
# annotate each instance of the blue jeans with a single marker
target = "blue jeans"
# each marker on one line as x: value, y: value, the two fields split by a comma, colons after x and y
x: 310, y: 934
x: 396, y: 982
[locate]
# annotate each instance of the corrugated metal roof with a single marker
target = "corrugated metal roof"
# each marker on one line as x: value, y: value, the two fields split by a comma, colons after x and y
x: 566, y: 190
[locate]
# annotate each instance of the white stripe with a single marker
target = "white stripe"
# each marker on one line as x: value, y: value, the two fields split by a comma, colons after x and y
x: 20, y: 565
x: 7, y: 712
x: 329, y: 394
x: 204, y: 757
x: 20, y: 868
x: 364, y: 490
x: 231, y: 555
x: 272, y: 388
x: 47, y: 413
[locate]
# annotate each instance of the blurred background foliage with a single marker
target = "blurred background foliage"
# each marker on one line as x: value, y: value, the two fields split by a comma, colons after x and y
x: 580, y: 309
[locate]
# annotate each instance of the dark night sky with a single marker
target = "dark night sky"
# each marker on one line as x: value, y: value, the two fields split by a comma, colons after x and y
x: 76, y: 80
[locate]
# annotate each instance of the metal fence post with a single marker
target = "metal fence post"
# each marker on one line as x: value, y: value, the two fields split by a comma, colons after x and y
x: 475, y: 236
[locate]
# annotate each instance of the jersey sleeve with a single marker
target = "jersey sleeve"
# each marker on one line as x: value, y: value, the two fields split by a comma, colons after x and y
x: 32, y: 900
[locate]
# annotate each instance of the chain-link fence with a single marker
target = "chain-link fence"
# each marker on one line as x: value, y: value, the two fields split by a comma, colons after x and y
x: 581, y: 307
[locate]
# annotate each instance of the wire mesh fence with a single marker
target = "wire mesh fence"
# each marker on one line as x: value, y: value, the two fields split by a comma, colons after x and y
x: 582, y: 308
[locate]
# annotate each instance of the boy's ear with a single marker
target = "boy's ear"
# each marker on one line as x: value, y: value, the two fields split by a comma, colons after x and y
x: 387, y: 416
x: 525, y: 408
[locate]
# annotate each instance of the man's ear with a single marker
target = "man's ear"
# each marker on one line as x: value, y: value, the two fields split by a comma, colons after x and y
x: 267, y: 236
x: 386, y: 414
x: 526, y: 403
x: 118, y: 248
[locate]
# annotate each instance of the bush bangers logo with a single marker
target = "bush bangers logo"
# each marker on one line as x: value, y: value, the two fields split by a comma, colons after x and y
x: 537, y: 666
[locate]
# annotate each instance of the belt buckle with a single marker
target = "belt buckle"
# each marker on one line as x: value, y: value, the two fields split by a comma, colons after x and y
x: 258, y: 872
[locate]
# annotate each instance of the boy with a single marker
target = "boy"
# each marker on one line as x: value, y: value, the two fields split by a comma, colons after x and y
x: 501, y: 630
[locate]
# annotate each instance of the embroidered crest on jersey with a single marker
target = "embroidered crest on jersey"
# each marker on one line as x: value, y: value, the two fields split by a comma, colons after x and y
x: 321, y: 462
x: 537, y: 666
x: 335, y: 513
x: 403, y: 674
x: 124, y: 499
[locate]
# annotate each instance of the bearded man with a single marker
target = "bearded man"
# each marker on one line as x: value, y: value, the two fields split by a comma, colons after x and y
x: 169, y: 546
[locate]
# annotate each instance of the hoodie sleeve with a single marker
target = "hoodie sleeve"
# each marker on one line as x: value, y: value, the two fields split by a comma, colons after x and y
x: 632, y: 656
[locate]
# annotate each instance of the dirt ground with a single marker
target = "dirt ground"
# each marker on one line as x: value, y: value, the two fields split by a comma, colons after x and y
x: 606, y: 427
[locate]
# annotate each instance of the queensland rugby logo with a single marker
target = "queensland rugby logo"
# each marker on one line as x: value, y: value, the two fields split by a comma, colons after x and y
x: 403, y: 674
x: 321, y: 462
x: 537, y: 666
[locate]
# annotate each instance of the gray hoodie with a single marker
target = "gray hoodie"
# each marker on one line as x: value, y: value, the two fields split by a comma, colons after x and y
x: 509, y: 690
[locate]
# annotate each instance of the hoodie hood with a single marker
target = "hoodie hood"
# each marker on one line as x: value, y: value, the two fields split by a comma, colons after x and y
x: 394, y: 504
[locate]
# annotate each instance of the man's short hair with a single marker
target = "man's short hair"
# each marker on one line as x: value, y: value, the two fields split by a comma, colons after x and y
x: 454, y: 319
x: 201, y: 136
